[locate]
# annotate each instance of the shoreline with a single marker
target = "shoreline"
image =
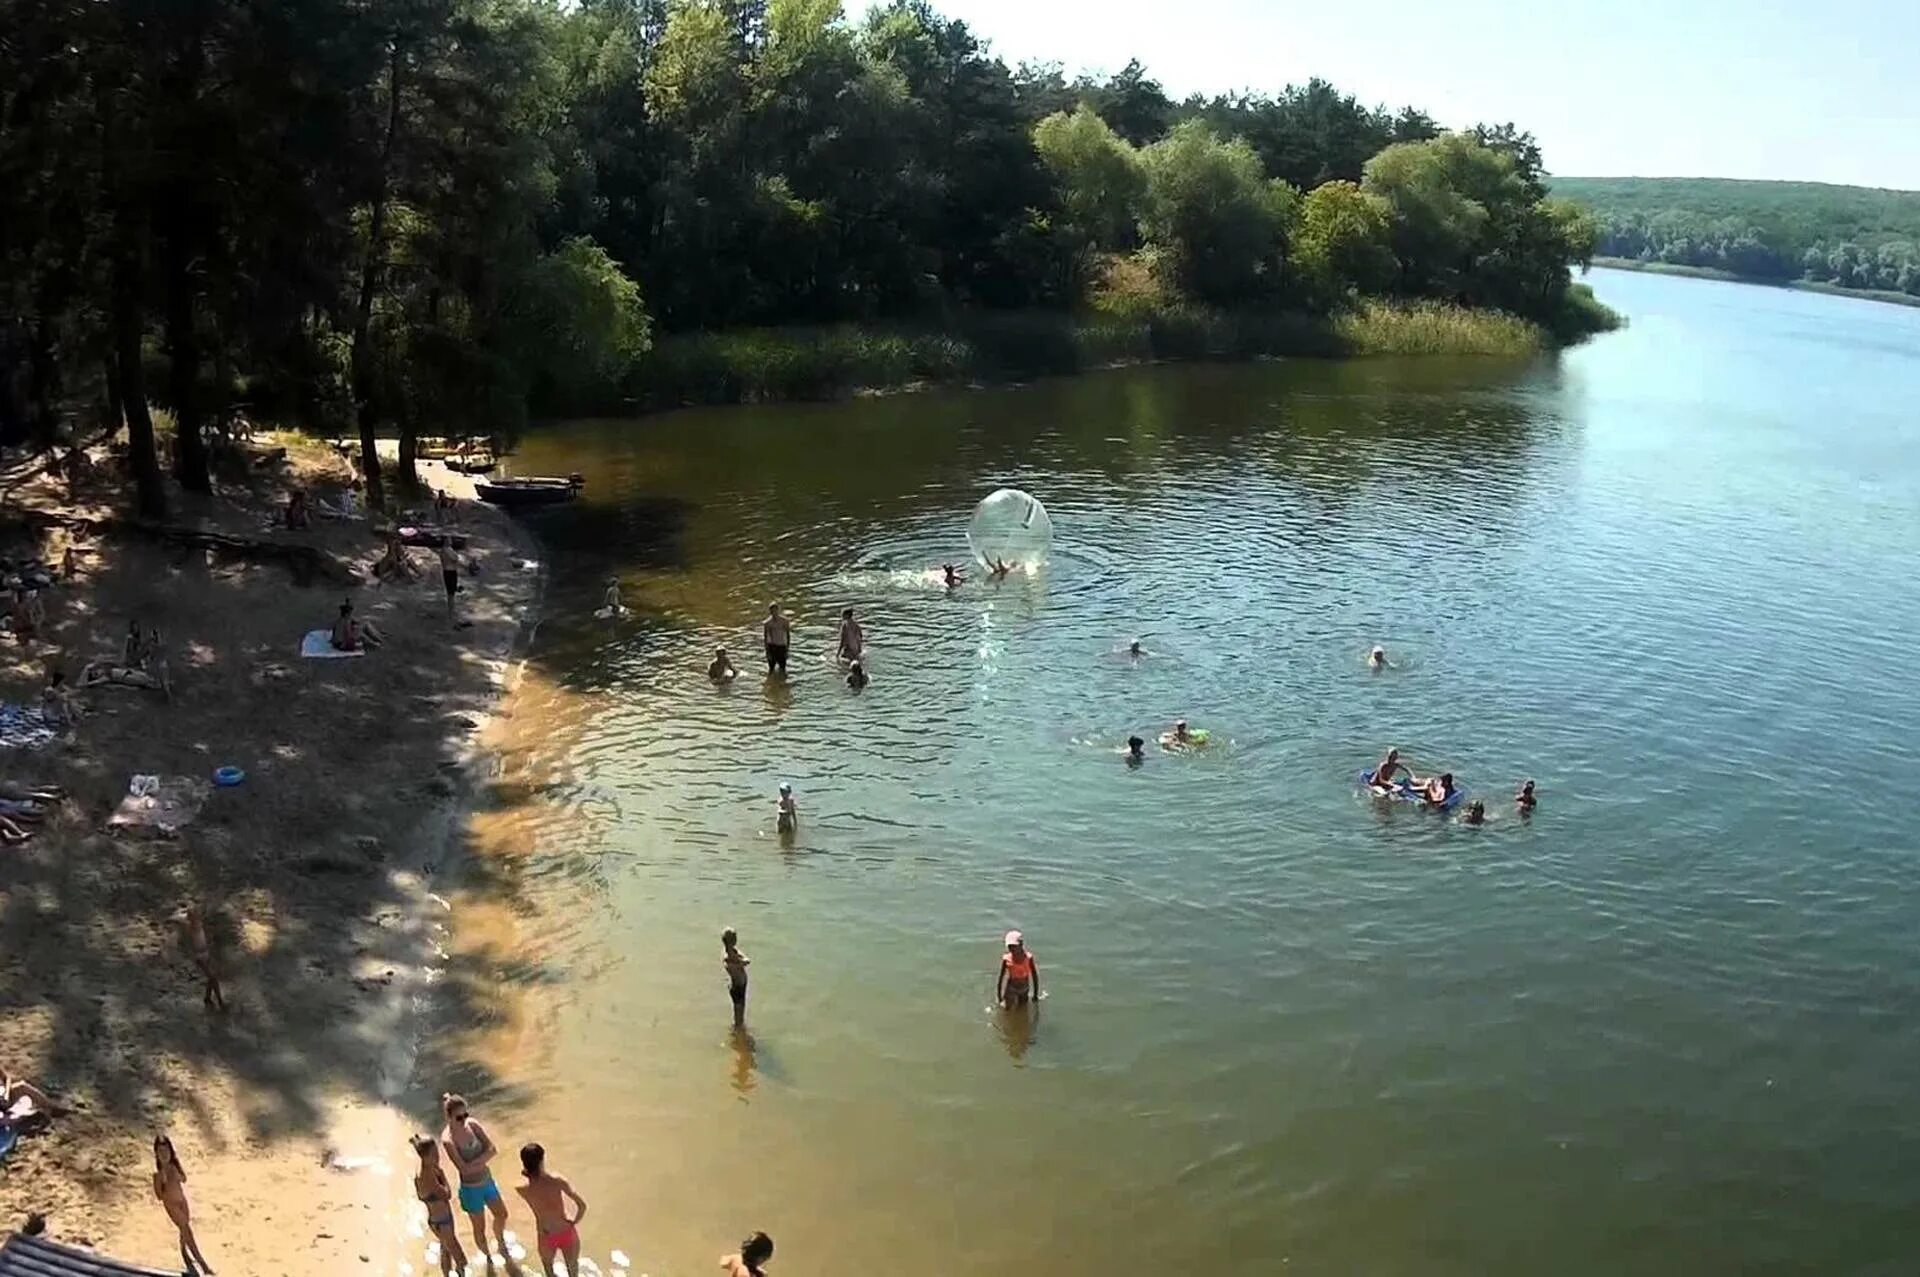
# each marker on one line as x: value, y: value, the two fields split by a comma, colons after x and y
x: 1729, y: 277
x: 291, y: 1111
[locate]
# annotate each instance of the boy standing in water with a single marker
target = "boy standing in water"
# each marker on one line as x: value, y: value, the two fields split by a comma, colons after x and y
x: 547, y: 1196
x: 787, y: 813
x: 1019, y: 982
x: 778, y: 635
x: 736, y: 964
x: 853, y: 640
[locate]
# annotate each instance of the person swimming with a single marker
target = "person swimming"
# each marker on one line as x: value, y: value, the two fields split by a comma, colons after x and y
x: 720, y: 669
x: 1381, y: 777
x: 786, y: 816
x: 1476, y: 813
x: 1135, y: 650
x: 1000, y: 569
x: 1136, y: 751
x: 1180, y: 736
x: 1525, y: 800
x: 1436, y: 790
x: 1019, y: 982
x: 857, y: 675
x: 952, y: 576
x: 1377, y: 658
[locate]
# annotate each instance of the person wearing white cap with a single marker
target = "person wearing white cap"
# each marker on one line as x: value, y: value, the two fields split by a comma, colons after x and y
x: 787, y: 814
x: 1377, y: 658
x: 1019, y: 981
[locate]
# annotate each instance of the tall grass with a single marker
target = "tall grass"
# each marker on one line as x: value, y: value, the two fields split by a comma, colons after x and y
x: 775, y: 364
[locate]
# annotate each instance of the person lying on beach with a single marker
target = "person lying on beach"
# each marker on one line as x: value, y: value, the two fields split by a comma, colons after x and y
x: 470, y: 1149
x: 1381, y: 777
x: 547, y: 1195
x: 199, y: 947
x: 16, y: 792
x: 24, y: 810
x: 21, y: 1099
x: 952, y: 575
x: 1019, y: 980
x: 11, y: 831
x: 720, y: 669
x: 786, y: 816
x: 752, y: 1259
x: 1525, y: 800
x: 736, y: 964
x: 350, y: 635
x: 101, y: 674
x: 299, y: 510
x: 857, y: 676
x: 170, y: 1186
x: 430, y: 1186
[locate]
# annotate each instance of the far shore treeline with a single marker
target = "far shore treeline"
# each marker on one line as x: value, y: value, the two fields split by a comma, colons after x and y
x: 436, y: 216
x: 1853, y: 237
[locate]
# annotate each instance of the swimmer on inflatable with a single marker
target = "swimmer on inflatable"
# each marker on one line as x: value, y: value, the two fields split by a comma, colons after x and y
x: 786, y: 817
x: 1437, y: 791
x: 1380, y: 779
x: 610, y: 605
x: 1181, y: 737
x: 952, y: 576
x: 720, y: 669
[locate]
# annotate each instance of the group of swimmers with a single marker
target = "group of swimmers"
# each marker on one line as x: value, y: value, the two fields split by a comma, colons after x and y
x: 557, y: 1208
x: 1391, y: 778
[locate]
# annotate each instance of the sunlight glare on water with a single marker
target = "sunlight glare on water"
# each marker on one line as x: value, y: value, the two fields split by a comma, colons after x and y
x: 1666, y: 1026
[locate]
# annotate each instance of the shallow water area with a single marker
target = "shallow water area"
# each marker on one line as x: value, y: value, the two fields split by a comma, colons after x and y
x: 1663, y: 1026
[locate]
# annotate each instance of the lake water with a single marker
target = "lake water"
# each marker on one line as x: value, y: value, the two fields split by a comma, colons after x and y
x: 1668, y: 1025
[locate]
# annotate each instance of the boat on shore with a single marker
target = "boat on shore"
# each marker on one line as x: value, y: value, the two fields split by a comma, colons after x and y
x: 519, y: 493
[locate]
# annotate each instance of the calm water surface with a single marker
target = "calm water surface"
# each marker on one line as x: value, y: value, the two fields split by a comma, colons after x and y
x: 1667, y: 1026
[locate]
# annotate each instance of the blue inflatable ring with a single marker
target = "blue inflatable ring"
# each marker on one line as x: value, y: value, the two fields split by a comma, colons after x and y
x: 227, y: 777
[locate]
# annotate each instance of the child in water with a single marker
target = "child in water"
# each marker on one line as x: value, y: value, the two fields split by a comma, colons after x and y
x: 610, y: 601
x: 787, y: 813
x: 1476, y: 813
x: 752, y: 1259
x: 1525, y: 800
x: 1019, y: 981
x: 952, y: 574
x: 1136, y: 751
x: 1377, y: 658
x: 721, y: 670
x: 736, y: 964
x: 856, y: 676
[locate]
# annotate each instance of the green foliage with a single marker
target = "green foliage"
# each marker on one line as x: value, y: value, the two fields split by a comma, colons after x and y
x: 579, y: 320
x: 1221, y: 224
x: 1854, y: 237
x: 1435, y: 328
x: 1344, y: 243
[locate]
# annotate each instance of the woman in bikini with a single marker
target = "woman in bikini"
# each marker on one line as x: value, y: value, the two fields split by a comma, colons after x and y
x: 470, y: 1149
x: 430, y: 1186
x: 170, y: 1186
x: 547, y: 1196
x: 1019, y: 982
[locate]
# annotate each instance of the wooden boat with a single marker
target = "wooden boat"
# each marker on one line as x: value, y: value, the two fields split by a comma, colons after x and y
x: 517, y: 493
x: 477, y: 461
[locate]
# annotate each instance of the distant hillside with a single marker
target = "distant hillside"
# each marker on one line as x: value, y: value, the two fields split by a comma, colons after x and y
x: 1851, y: 236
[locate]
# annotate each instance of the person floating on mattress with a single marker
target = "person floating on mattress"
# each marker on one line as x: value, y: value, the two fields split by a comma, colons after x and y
x: 1381, y: 777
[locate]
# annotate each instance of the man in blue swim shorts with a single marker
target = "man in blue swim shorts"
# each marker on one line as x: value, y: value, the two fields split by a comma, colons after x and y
x: 470, y: 1149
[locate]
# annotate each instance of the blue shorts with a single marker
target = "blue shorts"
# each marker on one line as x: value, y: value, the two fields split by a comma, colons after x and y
x: 474, y: 1197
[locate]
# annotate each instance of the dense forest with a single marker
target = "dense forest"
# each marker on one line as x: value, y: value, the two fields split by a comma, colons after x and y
x: 381, y: 216
x: 1852, y: 236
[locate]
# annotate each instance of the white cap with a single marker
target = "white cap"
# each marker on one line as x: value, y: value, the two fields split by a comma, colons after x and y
x: 1013, y: 938
x: 785, y: 788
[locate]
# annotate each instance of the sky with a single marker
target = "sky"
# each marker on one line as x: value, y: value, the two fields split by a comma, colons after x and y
x: 1785, y: 89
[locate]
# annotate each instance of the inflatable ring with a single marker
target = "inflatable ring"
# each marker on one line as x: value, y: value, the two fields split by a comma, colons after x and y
x: 227, y: 777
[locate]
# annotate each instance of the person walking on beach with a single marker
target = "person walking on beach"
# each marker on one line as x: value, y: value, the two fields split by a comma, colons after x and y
x: 547, y: 1196
x: 736, y: 964
x: 752, y: 1259
x: 449, y: 571
x: 778, y: 635
x: 471, y: 1149
x: 170, y: 1186
x: 853, y: 640
x: 430, y: 1186
x: 200, y: 948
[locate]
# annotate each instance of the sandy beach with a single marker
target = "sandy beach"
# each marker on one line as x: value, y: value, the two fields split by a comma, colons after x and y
x: 316, y: 873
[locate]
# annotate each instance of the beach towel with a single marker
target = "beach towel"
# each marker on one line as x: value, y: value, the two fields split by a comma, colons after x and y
x: 25, y: 727
x: 162, y: 805
x: 318, y: 646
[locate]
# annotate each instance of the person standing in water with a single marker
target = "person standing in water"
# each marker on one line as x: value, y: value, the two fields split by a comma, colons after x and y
x: 610, y: 601
x: 1381, y: 777
x: 786, y: 813
x: 736, y: 964
x: 1136, y: 751
x: 471, y: 1149
x: 547, y: 1195
x: 752, y: 1259
x: 170, y: 1186
x: 853, y: 640
x: 1019, y: 981
x: 1525, y: 800
x: 430, y: 1186
x: 953, y: 578
x: 778, y: 636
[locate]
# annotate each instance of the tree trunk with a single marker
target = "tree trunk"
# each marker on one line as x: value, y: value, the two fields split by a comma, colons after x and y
x: 43, y: 380
x: 149, y: 486
x: 183, y: 367
x: 363, y: 389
